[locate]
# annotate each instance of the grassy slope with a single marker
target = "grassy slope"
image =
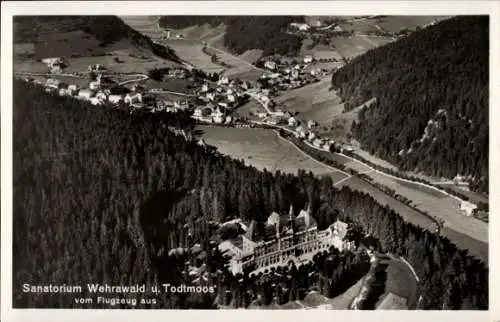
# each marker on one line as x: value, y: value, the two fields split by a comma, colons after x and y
x: 107, y: 30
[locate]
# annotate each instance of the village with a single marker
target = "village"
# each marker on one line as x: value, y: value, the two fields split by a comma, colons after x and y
x: 212, y: 102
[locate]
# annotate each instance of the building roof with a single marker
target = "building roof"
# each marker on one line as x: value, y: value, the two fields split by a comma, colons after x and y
x: 339, y: 229
x: 274, y: 218
x: 304, y: 221
x: 251, y: 232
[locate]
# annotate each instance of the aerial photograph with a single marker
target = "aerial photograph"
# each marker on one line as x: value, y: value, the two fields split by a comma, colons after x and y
x: 250, y: 162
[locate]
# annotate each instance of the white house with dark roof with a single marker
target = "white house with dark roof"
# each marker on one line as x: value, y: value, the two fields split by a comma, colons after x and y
x: 270, y: 65
x: 85, y: 94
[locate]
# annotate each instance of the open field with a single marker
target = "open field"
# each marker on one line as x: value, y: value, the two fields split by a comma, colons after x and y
x: 357, y: 45
x: 361, y: 26
x: 131, y: 61
x: 473, y: 196
x: 436, y: 204
x: 403, y: 210
x: 82, y: 82
x: 24, y: 49
x: 392, y: 301
x: 244, y: 73
x: 323, y: 106
x: 147, y: 25
x: 319, y: 51
x: 251, y: 56
x: 372, y: 158
x: 65, y: 44
x: 398, y: 23
x: 192, y: 52
x: 264, y: 149
x: 463, y: 241
x: 357, y: 166
x: 250, y: 107
x: 174, y: 85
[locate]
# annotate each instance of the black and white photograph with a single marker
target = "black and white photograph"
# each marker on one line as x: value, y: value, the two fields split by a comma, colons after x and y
x: 248, y: 161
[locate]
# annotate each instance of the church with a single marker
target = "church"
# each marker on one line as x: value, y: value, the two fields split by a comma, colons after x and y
x: 283, y: 238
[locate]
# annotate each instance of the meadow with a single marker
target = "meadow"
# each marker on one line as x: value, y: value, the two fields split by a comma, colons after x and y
x: 436, y: 204
x: 403, y: 210
x: 350, y: 47
x: 398, y: 23
x: 264, y: 149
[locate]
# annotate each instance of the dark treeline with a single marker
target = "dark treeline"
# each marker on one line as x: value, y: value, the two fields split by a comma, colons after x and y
x: 247, y: 32
x: 107, y: 29
x: 439, y: 73
x: 102, y: 195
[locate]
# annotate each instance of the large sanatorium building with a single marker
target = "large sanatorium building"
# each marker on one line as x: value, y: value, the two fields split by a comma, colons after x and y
x: 283, y: 238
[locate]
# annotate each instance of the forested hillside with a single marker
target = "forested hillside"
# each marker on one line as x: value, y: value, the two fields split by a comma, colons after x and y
x: 246, y: 32
x: 431, y: 112
x: 107, y: 29
x: 101, y: 195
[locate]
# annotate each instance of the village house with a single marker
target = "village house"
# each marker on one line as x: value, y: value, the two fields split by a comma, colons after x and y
x: 318, y: 142
x: 85, y: 94
x: 55, y: 64
x: 300, y: 26
x: 63, y: 92
x: 52, y: 60
x: 273, y: 120
x: 95, y: 101
x: 101, y: 96
x: 115, y: 99
x: 204, y: 88
x: 133, y: 99
x: 292, y: 122
x: 300, y: 132
x: 311, y: 136
x: 346, y: 148
x: 308, y: 59
x: 210, y: 96
x: 72, y: 89
x: 223, y: 81
x: 198, y: 113
x: 217, y: 116
x: 261, y: 115
x: 270, y: 65
x: 52, y: 83
x: 231, y: 98
x: 223, y: 105
x: 96, y: 68
x: 327, y: 146
x: 95, y: 84
x: 311, y: 124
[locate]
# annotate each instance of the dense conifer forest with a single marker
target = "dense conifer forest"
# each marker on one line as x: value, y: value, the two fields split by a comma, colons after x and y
x: 247, y: 32
x: 102, y: 195
x: 431, y: 109
x: 106, y: 29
